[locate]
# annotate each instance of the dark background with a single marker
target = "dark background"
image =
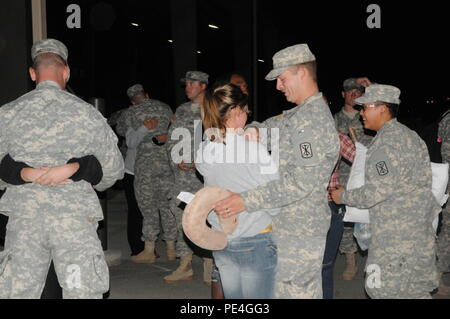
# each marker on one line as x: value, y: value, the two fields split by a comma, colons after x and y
x: 108, y: 54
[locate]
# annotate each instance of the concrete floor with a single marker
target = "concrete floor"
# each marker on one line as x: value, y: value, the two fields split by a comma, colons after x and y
x: 139, y: 281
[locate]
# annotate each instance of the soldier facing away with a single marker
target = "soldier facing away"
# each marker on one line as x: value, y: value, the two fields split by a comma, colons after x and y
x: 44, y: 128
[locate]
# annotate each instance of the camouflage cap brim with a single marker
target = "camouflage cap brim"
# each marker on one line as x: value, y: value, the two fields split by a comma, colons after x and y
x: 365, y: 99
x: 183, y: 80
x: 369, y: 98
x: 380, y: 92
x: 272, y: 75
x: 49, y: 46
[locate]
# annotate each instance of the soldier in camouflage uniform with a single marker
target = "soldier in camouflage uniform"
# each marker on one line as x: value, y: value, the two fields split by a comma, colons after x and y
x: 112, y: 121
x: 43, y: 128
x: 443, y: 243
x: 345, y: 119
x: 308, y: 152
x: 402, y: 257
x: 186, y: 177
x: 153, y: 175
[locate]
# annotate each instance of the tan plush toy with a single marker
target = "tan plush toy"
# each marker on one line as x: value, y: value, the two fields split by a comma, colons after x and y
x: 194, y: 219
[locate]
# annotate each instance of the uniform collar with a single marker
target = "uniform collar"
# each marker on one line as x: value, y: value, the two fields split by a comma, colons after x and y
x: 388, y: 125
x: 311, y: 99
x: 385, y: 128
x: 46, y: 84
x: 350, y: 115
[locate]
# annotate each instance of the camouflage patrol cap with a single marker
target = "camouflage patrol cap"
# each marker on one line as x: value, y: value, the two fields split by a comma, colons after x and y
x: 196, y: 76
x: 135, y: 90
x: 352, y: 84
x: 381, y: 93
x: 49, y: 46
x: 289, y: 56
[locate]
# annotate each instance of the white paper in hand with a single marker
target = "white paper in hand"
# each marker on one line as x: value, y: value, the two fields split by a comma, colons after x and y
x: 356, y: 180
x: 186, y: 197
x: 439, y: 186
x: 440, y: 181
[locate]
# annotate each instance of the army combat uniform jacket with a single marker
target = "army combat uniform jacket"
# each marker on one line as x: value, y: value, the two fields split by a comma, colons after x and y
x: 397, y: 192
x: 184, y: 121
x: 308, y: 151
x: 47, y: 127
x: 189, y: 181
x: 152, y: 171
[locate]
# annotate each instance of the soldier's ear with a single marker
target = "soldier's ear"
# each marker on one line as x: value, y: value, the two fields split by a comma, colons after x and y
x: 32, y: 74
x: 301, y: 72
x: 385, y: 110
x: 66, y: 74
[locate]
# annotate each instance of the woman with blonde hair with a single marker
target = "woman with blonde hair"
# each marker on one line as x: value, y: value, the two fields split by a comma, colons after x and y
x: 226, y: 159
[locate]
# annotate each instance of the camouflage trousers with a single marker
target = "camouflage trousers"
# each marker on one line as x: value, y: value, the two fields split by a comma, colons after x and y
x: 299, y: 270
x: 402, y: 278
x: 176, y: 205
x: 348, y: 243
x: 443, y: 242
x: 72, y: 243
x: 184, y: 182
x: 152, y: 196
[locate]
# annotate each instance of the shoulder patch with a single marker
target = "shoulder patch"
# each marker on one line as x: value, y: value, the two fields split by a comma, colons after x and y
x: 306, y: 150
x: 382, y: 168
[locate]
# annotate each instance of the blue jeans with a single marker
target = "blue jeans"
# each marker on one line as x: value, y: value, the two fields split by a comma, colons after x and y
x: 247, y: 267
x: 331, y: 247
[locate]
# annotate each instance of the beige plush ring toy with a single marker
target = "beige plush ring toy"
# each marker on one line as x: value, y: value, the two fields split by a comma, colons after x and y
x: 194, y: 219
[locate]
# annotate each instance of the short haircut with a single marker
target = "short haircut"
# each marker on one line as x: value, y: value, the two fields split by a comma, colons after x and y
x: 393, y: 109
x: 311, y: 67
x: 48, y: 60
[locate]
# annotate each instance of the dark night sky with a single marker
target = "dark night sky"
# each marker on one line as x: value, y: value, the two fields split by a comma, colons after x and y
x: 409, y: 51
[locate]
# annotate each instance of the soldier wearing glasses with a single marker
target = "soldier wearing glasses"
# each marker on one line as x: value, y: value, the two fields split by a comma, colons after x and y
x: 397, y: 192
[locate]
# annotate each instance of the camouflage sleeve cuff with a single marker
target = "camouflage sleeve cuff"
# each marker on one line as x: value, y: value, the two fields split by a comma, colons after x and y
x: 343, y: 197
x: 143, y: 129
x: 10, y: 171
x: 250, y: 204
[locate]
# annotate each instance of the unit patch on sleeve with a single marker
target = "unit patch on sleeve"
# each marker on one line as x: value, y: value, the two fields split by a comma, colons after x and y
x: 306, y: 150
x: 382, y: 168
